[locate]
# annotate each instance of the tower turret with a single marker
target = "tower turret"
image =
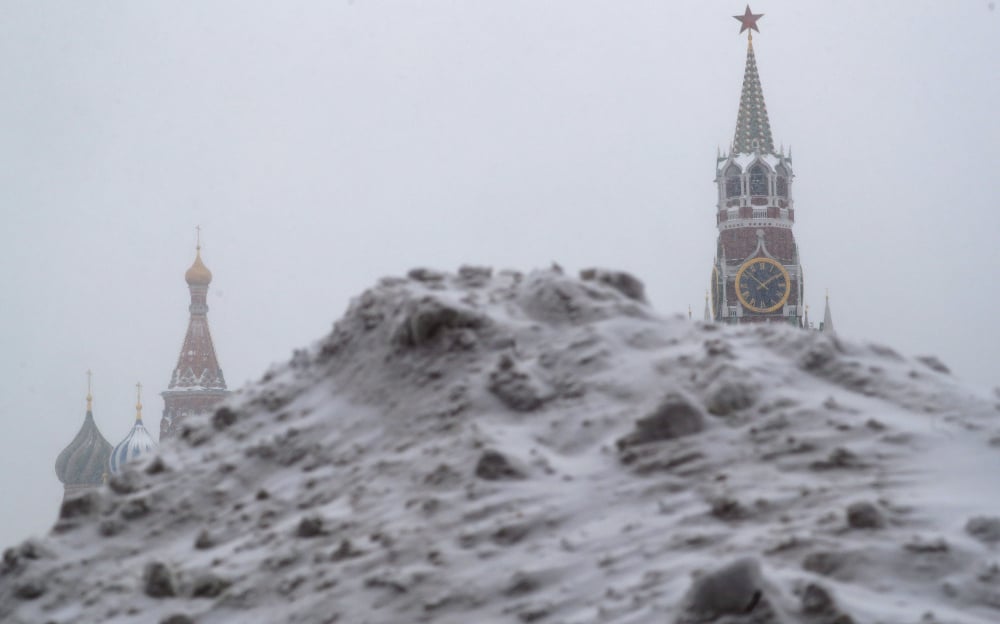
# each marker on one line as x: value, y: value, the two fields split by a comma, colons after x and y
x: 757, y: 276
x: 828, y: 317
x: 197, y: 383
x: 83, y: 463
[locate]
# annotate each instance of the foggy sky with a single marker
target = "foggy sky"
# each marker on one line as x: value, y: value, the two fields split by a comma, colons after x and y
x: 322, y: 145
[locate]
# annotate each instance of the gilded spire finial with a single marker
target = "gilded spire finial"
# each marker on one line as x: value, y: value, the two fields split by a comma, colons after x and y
x: 138, y: 401
x: 90, y: 398
x: 197, y: 245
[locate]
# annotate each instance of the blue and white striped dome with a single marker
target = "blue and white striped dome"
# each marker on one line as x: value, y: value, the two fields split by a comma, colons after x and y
x: 137, y: 442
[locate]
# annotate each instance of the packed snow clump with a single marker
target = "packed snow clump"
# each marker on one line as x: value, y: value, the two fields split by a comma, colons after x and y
x: 480, y: 447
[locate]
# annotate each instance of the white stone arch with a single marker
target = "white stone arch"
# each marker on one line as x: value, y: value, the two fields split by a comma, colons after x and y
x: 732, y: 181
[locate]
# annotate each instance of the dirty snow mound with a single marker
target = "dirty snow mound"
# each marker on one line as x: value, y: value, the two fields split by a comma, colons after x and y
x: 480, y: 447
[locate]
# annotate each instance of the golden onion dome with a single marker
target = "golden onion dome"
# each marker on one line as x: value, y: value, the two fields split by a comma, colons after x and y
x: 198, y: 274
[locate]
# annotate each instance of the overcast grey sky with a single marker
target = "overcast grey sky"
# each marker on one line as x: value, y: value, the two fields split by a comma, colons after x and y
x: 322, y: 145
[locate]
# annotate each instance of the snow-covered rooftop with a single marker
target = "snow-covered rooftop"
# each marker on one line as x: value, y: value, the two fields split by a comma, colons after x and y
x: 745, y: 160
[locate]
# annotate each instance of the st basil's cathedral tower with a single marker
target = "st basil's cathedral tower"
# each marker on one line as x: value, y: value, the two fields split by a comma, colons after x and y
x: 756, y: 277
x: 197, y: 384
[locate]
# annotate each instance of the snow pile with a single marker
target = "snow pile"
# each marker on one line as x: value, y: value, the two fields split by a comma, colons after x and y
x: 485, y: 447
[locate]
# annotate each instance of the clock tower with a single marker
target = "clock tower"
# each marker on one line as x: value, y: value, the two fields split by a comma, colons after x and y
x: 756, y: 277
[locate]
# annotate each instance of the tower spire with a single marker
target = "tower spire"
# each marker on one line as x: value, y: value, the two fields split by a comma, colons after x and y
x: 828, y: 316
x: 90, y: 397
x: 708, y: 312
x: 753, y: 130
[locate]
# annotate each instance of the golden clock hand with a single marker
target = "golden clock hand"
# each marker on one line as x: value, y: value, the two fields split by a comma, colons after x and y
x: 755, y: 279
x: 770, y: 279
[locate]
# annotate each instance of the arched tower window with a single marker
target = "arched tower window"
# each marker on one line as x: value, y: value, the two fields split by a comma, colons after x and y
x: 733, y: 184
x: 782, y: 182
x: 758, y: 180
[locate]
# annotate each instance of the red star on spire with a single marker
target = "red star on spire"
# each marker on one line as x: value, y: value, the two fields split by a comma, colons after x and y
x: 748, y: 20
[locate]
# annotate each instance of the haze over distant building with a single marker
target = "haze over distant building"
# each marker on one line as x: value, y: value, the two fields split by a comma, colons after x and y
x: 196, y: 386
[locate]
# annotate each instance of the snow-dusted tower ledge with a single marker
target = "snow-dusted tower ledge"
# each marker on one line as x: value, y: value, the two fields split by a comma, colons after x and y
x: 197, y: 384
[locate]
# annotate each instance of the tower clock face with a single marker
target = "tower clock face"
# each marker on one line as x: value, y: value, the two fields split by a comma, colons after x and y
x: 762, y: 285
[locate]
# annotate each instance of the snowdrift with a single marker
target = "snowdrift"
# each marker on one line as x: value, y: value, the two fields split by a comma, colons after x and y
x: 480, y: 447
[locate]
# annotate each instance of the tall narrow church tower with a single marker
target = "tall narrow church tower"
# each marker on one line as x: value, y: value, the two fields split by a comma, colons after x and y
x: 756, y: 277
x: 197, y: 384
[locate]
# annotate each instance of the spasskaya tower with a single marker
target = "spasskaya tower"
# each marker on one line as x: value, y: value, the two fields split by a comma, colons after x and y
x: 756, y: 277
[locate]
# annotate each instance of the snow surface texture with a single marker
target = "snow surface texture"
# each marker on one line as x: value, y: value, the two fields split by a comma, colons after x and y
x: 482, y: 447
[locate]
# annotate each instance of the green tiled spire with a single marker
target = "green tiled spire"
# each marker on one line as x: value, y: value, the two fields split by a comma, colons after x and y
x: 753, y: 130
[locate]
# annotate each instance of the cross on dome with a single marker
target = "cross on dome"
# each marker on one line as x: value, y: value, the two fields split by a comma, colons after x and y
x: 198, y: 274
